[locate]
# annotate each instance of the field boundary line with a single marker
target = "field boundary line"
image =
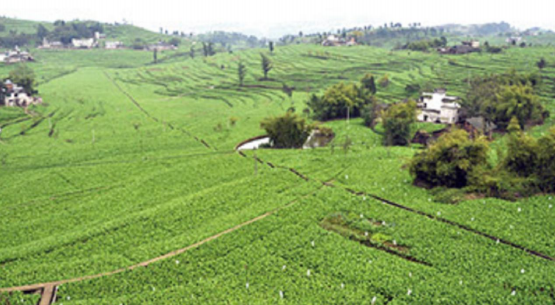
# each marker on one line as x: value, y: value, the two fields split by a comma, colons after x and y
x: 411, y: 210
x: 42, y: 286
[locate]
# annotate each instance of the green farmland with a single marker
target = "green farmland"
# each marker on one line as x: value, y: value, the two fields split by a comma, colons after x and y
x: 124, y: 187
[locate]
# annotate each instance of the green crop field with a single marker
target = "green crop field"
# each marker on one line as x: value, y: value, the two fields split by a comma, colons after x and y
x: 125, y: 186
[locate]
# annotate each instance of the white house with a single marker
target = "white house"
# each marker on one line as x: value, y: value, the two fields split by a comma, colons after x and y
x: 15, y: 96
x: 83, y: 43
x: 112, y: 45
x: 438, y: 107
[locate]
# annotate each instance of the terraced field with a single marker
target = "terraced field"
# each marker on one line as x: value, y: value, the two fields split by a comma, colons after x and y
x: 124, y: 188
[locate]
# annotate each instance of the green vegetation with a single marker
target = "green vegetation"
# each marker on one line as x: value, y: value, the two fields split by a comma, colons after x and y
x: 122, y: 164
x: 397, y: 122
x: 287, y: 131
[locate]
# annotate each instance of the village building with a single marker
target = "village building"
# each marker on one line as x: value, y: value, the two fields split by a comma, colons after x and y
x: 334, y: 41
x: 472, y: 43
x: 514, y: 40
x: 438, y: 107
x: 161, y: 46
x: 112, y: 45
x: 15, y: 56
x: 83, y: 43
x: 15, y: 96
x: 51, y: 44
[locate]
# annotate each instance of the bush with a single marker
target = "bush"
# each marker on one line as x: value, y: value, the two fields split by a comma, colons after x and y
x: 450, y: 161
x: 546, y: 162
x: 337, y: 100
x: 287, y: 131
x: 397, y: 121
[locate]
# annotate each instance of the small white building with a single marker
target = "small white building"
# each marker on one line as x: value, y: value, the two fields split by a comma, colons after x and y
x: 112, y: 45
x: 438, y: 107
x: 83, y: 43
x: 15, y: 56
x: 15, y: 96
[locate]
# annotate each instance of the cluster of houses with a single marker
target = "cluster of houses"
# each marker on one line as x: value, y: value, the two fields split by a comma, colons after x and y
x: 16, y: 96
x: 15, y: 56
x: 440, y: 108
x: 334, y: 41
x: 95, y: 42
x: 464, y: 48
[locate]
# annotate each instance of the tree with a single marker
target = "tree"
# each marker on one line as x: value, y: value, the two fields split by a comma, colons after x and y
x: 271, y: 46
x: 369, y: 83
x: 241, y: 72
x: 384, y: 81
x: 518, y: 101
x: 522, y: 151
x: 450, y: 161
x: 267, y: 65
x: 42, y: 32
x: 155, y: 55
x: 175, y: 41
x: 541, y: 63
x: 546, y: 162
x: 287, y: 131
x: 338, y: 101
x: 397, y: 121
x: 25, y: 77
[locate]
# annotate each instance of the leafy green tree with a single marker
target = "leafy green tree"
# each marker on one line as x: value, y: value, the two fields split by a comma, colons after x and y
x: 25, y: 77
x: 42, y: 32
x: 338, y: 101
x: 175, y: 41
x: 267, y: 65
x: 522, y: 151
x: 369, y: 83
x: 519, y: 101
x: 384, y: 81
x: 241, y: 72
x: 397, y: 121
x: 287, y: 131
x: 450, y: 161
x: 546, y: 162
x: 541, y: 63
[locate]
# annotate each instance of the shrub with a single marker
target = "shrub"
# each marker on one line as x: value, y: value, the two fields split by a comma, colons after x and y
x: 287, y: 131
x: 337, y: 100
x: 450, y: 161
x: 397, y: 121
x: 546, y: 162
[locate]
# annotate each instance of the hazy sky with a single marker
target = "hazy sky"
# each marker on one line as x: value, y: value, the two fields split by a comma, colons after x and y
x: 272, y: 18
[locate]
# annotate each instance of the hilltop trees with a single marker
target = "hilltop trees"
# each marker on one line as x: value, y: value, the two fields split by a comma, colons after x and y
x: 339, y: 101
x: 498, y: 98
x: 42, y: 32
x: 241, y: 72
x: 369, y: 83
x: 287, y: 131
x: 397, y: 121
x: 267, y: 65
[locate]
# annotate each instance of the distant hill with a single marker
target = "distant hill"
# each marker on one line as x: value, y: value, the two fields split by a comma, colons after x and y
x: 24, y: 33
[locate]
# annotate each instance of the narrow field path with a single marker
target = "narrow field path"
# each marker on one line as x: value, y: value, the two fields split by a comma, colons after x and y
x: 48, y: 289
x: 155, y: 119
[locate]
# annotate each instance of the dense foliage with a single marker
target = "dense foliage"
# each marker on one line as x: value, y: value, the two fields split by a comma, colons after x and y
x: 339, y: 101
x: 498, y: 98
x: 287, y: 131
x: 450, y: 161
x: 397, y: 121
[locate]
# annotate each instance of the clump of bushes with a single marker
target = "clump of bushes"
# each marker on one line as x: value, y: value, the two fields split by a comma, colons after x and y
x: 456, y: 161
x: 287, y: 131
x: 397, y: 121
